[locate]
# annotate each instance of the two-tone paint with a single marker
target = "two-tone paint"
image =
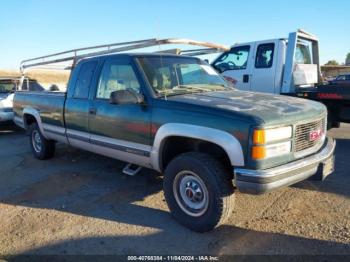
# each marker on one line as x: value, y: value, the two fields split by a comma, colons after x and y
x: 136, y: 133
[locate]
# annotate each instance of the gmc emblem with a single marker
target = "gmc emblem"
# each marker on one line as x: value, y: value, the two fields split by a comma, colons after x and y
x: 315, y: 135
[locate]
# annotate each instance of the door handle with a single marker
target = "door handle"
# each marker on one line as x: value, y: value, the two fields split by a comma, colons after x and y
x: 245, y: 78
x: 92, y: 111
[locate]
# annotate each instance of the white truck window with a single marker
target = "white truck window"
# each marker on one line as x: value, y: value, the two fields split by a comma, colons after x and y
x: 235, y: 59
x: 264, y: 55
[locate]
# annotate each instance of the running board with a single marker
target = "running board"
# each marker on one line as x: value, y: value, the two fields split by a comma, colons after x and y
x: 130, y: 170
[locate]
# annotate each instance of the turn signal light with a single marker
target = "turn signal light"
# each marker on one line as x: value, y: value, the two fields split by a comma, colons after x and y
x: 258, y: 152
x: 259, y: 137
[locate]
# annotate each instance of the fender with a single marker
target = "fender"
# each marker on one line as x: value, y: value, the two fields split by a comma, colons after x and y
x: 35, y: 113
x: 221, y: 138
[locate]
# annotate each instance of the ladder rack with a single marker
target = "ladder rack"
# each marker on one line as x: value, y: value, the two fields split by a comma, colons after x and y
x: 74, y: 55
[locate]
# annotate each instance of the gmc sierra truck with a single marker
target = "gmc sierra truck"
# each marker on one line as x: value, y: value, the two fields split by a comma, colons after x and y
x: 176, y: 115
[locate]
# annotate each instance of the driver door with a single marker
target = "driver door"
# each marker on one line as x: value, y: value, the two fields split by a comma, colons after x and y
x: 121, y: 131
x: 236, y: 65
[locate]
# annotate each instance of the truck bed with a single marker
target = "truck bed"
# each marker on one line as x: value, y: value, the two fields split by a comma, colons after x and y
x: 49, y: 104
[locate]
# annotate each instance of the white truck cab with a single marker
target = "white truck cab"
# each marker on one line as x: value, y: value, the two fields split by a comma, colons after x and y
x: 8, y: 86
x: 278, y: 66
x: 7, y: 89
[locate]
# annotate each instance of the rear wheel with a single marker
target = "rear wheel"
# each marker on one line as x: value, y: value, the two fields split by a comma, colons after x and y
x: 198, y: 192
x: 42, y: 148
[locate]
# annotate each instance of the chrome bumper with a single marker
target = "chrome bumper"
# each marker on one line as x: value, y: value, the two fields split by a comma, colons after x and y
x: 262, y: 181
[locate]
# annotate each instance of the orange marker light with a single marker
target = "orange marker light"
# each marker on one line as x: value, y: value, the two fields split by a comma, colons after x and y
x: 258, y: 152
x: 259, y: 137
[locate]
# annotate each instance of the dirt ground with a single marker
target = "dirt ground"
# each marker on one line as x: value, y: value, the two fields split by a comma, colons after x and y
x: 80, y: 203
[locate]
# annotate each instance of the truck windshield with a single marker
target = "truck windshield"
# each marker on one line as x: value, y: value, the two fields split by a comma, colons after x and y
x: 7, y: 87
x: 178, y: 75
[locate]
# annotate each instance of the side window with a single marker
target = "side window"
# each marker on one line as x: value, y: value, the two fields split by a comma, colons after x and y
x: 82, y: 86
x: 264, y: 55
x: 347, y: 77
x: 116, y: 76
x: 235, y: 59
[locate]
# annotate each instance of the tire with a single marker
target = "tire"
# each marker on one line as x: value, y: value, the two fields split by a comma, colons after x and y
x: 198, y: 192
x: 42, y: 148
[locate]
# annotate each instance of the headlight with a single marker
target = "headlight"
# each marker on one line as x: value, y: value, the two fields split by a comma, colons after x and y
x: 267, y: 142
x: 263, y: 136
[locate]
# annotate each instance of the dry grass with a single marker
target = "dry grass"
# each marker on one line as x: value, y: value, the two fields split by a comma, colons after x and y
x: 42, y: 76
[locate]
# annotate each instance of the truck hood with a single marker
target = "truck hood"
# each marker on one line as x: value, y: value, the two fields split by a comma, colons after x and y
x: 268, y: 108
x: 4, y: 95
x: 6, y: 100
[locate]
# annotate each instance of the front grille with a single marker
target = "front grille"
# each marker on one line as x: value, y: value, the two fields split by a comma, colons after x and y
x: 302, y: 139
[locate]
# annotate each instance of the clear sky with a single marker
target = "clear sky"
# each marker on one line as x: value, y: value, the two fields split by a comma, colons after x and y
x: 32, y: 28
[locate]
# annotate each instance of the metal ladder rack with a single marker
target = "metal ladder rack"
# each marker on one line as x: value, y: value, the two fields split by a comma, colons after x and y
x: 75, y: 55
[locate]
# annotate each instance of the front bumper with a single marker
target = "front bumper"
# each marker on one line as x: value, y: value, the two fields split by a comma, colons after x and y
x: 6, y: 116
x: 262, y: 181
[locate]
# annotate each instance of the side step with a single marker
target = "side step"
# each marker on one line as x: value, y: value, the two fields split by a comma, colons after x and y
x: 131, y: 170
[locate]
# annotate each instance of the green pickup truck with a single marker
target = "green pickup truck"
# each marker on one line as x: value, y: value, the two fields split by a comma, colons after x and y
x: 176, y: 115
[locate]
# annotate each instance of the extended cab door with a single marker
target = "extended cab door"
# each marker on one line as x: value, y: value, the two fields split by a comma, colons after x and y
x: 78, y: 104
x: 236, y: 65
x: 264, y: 67
x: 121, y: 130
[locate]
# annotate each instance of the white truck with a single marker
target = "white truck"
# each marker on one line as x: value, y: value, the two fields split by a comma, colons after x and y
x: 287, y: 66
x: 279, y: 66
x: 8, y: 86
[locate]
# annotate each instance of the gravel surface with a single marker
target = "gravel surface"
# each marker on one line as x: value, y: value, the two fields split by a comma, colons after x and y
x: 80, y: 203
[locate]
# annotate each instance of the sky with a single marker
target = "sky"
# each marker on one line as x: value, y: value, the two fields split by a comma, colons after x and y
x: 31, y: 28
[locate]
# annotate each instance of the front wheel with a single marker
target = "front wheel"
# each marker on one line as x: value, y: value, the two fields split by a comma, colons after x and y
x: 198, y: 192
x: 42, y: 148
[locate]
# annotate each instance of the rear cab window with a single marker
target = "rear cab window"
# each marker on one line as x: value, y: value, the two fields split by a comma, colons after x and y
x: 303, y: 53
x: 264, y: 55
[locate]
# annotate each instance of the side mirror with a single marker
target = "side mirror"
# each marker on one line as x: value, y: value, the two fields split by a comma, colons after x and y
x: 128, y: 96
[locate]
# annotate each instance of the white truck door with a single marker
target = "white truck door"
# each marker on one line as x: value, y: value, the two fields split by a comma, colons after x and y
x: 236, y: 65
x: 264, y: 67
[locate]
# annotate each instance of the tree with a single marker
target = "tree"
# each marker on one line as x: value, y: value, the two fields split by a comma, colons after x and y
x: 332, y: 62
x: 347, y: 61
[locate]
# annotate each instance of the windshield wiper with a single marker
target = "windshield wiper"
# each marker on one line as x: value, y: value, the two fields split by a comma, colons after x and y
x: 180, y: 90
x: 190, y: 88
